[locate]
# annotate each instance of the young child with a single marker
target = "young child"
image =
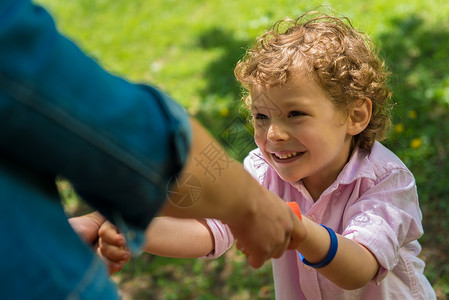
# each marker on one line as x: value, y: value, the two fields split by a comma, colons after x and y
x: 318, y: 95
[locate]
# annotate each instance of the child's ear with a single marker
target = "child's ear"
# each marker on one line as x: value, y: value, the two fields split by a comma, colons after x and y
x: 359, y: 117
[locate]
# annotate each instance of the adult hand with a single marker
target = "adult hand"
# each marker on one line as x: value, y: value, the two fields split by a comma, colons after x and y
x: 269, y: 231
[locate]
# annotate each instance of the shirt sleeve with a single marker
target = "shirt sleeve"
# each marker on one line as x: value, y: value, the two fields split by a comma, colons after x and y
x: 118, y: 143
x: 386, y: 218
x: 223, y: 238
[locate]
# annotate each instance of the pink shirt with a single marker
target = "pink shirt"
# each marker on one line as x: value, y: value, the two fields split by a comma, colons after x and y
x: 374, y: 202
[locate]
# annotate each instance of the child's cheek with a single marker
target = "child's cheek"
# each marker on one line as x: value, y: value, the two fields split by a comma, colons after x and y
x: 259, y: 138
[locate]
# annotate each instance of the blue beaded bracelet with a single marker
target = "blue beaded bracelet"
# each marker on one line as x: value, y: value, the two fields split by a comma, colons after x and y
x: 330, y: 255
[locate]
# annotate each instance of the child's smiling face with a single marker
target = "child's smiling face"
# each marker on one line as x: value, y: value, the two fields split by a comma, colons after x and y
x: 301, y: 133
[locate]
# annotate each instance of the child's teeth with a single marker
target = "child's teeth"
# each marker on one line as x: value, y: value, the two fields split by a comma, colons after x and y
x: 285, y: 156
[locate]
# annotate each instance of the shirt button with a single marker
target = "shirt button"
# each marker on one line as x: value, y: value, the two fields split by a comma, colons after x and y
x: 308, y: 268
x: 312, y: 217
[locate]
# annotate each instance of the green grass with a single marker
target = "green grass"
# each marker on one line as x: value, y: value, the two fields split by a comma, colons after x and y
x: 189, y: 49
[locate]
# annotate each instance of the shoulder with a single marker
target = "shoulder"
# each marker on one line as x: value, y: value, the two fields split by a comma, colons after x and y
x: 375, y: 165
x: 384, y: 159
x: 386, y: 164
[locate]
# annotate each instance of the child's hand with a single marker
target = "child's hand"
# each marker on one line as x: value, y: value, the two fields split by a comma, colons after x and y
x: 112, y: 247
x: 87, y: 226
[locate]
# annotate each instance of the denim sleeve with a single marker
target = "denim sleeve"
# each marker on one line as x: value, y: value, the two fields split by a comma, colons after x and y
x: 118, y: 143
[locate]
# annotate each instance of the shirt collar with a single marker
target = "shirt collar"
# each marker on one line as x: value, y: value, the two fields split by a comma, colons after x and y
x: 356, y: 168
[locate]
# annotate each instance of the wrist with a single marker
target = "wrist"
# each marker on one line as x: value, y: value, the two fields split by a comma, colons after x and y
x: 330, y: 255
x: 244, y: 203
x: 317, y: 243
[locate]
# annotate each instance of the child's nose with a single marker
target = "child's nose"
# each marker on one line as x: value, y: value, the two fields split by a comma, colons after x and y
x: 277, y: 133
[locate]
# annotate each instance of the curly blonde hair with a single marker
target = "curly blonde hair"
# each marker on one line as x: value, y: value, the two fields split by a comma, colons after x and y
x: 343, y: 61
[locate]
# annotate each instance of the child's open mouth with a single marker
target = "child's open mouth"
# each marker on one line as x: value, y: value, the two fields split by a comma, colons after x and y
x: 286, y: 157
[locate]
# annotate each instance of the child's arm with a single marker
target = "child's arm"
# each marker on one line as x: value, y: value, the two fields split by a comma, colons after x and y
x: 179, y: 238
x: 353, y: 265
x: 166, y: 236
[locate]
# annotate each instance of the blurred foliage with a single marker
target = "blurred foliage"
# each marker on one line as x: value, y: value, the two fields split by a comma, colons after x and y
x: 190, y: 48
x: 419, y: 58
x: 164, y: 278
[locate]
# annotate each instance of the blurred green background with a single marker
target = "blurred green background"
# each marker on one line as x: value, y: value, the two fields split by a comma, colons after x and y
x: 189, y: 49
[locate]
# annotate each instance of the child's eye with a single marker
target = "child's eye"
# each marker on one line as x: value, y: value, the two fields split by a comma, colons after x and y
x: 295, y: 113
x: 260, y: 117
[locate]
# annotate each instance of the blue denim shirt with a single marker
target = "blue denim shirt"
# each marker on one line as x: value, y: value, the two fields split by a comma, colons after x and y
x: 118, y: 143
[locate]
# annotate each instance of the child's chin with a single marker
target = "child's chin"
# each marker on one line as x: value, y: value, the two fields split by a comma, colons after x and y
x: 289, y: 178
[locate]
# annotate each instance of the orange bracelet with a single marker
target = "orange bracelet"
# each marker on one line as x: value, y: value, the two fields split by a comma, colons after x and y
x: 295, y: 207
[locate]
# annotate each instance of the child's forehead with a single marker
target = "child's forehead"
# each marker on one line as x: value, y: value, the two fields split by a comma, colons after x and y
x: 300, y: 91
x: 297, y: 78
x: 261, y: 99
x: 276, y: 99
x: 298, y: 70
